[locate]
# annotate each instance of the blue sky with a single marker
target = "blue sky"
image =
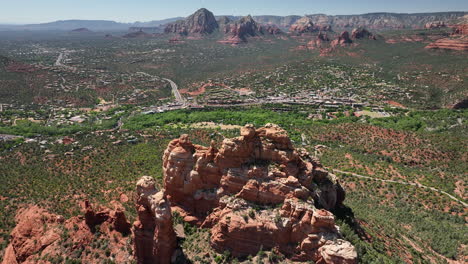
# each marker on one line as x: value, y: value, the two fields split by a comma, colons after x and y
x: 34, y: 11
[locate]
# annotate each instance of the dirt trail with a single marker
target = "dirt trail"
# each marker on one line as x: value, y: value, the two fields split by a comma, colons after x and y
x: 404, y: 183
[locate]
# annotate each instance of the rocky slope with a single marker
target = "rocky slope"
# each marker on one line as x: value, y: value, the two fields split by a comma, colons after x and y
x: 457, y: 41
x: 201, y: 22
x: 237, y: 32
x: 42, y: 237
x: 257, y: 191
x: 459, y: 44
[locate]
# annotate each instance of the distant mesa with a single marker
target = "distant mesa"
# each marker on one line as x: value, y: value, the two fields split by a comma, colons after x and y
x: 145, y: 29
x: 201, y: 22
x: 82, y: 30
x: 138, y: 34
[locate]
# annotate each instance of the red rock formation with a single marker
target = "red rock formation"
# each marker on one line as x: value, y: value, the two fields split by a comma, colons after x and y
x: 201, y: 22
x: 319, y: 42
x: 297, y: 230
x: 460, y: 30
x: 239, y: 31
x: 362, y: 33
x: 39, y: 233
x: 155, y: 239
x: 261, y: 166
x: 342, y: 40
x: 114, y: 217
x: 271, y: 29
x: 306, y: 25
x: 460, y: 44
x: 435, y: 24
x: 259, y: 169
x: 35, y: 231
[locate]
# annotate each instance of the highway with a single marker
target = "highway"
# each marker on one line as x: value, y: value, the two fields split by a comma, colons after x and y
x: 58, y: 62
x: 175, y: 91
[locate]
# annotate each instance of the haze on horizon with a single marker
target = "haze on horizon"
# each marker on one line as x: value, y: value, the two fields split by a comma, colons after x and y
x: 33, y: 11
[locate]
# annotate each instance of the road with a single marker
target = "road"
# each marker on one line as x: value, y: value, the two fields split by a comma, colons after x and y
x: 404, y: 183
x: 175, y: 91
x: 58, y: 62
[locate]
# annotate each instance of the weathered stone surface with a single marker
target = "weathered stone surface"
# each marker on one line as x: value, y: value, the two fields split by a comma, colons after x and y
x: 243, y: 184
x: 155, y: 239
x: 36, y: 230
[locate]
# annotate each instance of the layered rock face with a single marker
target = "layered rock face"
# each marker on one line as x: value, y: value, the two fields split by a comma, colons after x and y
x: 201, y: 22
x: 238, y: 189
x: 306, y: 25
x: 460, y: 44
x: 458, y: 40
x: 362, y: 33
x: 155, y: 239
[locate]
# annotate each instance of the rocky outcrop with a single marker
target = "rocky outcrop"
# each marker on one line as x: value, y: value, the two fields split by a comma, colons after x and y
x: 435, y: 24
x: 201, y: 22
x: 362, y: 33
x: 155, y: 239
x: 306, y: 25
x: 460, y: 30
x: 244, y: 182
x: 321, y: 41
x: 342, y: 40
x: 116, y: 218
x: 239, y: 31
x: 39, y: 234
x: 459, y: 44
x: 271, y: 29
x: 36, y: 230
x: 296, y: 229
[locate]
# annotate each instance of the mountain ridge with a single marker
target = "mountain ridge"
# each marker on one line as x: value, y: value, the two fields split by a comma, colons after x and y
x: 406, y: 19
